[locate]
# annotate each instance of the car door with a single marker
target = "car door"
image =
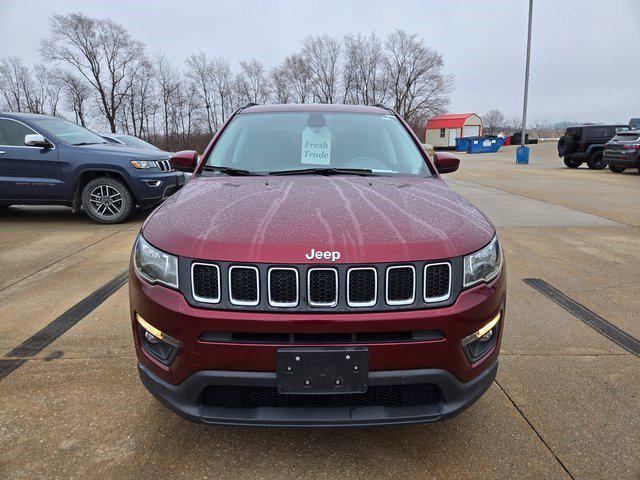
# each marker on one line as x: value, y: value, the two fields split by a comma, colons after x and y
x: 26, y: 173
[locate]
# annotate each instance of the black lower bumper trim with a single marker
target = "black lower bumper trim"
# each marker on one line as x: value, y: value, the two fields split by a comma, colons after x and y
x: 186, y: 399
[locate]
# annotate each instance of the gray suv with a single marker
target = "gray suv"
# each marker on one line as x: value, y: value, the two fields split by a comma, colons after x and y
x: 585, y: 143
x: 623, y: 151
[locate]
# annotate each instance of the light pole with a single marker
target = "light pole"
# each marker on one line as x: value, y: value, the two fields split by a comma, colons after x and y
x: 522, y: 154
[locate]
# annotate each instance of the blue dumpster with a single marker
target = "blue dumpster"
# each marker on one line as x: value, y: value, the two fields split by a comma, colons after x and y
x: 484, y: 145
x: 462, y: 143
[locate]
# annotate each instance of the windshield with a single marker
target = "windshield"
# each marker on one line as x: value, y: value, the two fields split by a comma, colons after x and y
x: 131, y: 141
x: 276, y: 142
x: 69, y: 132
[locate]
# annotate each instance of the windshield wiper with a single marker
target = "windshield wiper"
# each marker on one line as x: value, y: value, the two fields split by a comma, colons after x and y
x: 88, y: 143
x: 228, y: 170
x: 325, y: 171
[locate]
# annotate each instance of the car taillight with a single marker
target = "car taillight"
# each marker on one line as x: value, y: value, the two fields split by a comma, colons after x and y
x: 635, y: 146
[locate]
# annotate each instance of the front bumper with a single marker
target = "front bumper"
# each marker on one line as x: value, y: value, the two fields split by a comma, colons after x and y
x: 152, y: 189
x: 185, y: 399
x: 200, y: 363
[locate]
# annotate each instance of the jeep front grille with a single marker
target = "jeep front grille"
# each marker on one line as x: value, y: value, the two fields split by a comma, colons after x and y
x: 244, y: 285
x: 205, y: 282
x: 401, y: 285
x: 322, y: 287
x: 283, y: 287
x: 437, y: 282
x: 312, y: 288
x: 362, y: 287
x: 164, y: 165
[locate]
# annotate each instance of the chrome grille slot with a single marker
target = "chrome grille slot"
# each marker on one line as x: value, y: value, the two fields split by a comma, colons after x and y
x: 283, y: 287
x: 244, y: 285
x: 164, y: 165
x: 437, y: 282
x: 205, y: 282
x: 362, y: 287
x: 400, y: 285
x: 322, y: 287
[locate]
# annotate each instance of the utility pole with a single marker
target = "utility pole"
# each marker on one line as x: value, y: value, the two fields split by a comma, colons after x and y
x: 526, y: 79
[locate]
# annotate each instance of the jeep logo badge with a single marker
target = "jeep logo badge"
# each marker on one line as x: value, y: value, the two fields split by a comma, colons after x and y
x: 333, y: 256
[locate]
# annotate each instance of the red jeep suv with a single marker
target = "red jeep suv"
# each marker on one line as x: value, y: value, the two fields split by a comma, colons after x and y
x: 317, y: 271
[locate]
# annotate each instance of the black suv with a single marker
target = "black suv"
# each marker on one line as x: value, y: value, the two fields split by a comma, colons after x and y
x: 623, y: 151
x: 586, y: 143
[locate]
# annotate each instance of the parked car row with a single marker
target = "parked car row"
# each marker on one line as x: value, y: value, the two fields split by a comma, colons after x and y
x: 50, y: 161
x: 615, y: 146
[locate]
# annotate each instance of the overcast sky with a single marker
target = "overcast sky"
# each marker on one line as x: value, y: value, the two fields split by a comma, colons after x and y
x: 585, y: 63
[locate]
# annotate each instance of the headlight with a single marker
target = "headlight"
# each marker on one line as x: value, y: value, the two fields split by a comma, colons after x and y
x: 154, y: 265
x: 143, y: 164
x: 483, y: 265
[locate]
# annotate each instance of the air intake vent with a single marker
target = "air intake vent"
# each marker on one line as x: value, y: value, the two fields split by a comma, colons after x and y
x: 244, y: 286
x: 437, y: 282
x: 401, y: 285
x: 205, y: 281
x: 249, y: 397
x: 322, y: 287
x: 362, y: 287
x: 283, y: 287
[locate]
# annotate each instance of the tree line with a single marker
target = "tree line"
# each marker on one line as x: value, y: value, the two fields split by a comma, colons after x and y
x: 94, y: 72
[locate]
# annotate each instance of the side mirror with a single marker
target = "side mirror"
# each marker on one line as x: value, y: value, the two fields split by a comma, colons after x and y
x: 185, y: 160
x: 446, y: 162
x: 36, y: 140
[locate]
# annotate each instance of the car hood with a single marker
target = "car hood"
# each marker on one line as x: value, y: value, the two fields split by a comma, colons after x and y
x: 280, y: 219
x: 126, y: 152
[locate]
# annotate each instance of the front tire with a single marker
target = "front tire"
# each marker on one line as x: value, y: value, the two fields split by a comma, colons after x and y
x: 596, y: 161
x: 572, y: 163
x: 107, y: 200
x: 615, y: 169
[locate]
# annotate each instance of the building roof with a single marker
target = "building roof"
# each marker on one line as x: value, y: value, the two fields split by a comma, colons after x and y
x: 452, y: 120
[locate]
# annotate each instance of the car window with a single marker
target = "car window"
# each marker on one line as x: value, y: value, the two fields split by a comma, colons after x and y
x: 267, y: 142
x: 12, y: 133
x: 626, y: 137
x: 69, y: 132
x: 132, y: 141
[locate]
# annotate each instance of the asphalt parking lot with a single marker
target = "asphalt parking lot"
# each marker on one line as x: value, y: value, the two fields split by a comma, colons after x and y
x: 566, y: 403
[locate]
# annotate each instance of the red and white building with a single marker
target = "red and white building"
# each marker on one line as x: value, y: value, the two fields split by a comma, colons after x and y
x: 442, y: 131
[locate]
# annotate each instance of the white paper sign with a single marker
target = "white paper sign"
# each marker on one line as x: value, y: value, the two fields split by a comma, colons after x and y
x: 486, y: 143
x: 316, y: 146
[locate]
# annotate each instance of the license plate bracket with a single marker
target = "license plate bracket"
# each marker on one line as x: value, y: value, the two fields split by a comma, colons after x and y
x: 322, y: 370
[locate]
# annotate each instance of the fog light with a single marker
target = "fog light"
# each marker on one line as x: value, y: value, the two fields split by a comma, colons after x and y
x: 477, y: 344
x: 487, y: 329
x: 154, y: 332
x: 157, y: 343
x: 486, y: 337
x: 150, y: 338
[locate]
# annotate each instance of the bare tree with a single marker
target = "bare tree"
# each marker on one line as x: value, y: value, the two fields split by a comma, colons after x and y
x: 281, y: 85
x: 102, y: 51
x: 77, y: 93
x: 14, y: 76
x: 169, y: 86
x: 321, y: 54
x: 362, y: 72
x: 417, y: 86
x: 253, y: 82
x: 222, y: 82
x: 540, y: 126
x: 493, y: 122
x: 513, y: 124
x: 298, y: 74
x: 201, y: 72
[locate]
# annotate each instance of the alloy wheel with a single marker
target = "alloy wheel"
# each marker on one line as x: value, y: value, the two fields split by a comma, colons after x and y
x: 106, y: 200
